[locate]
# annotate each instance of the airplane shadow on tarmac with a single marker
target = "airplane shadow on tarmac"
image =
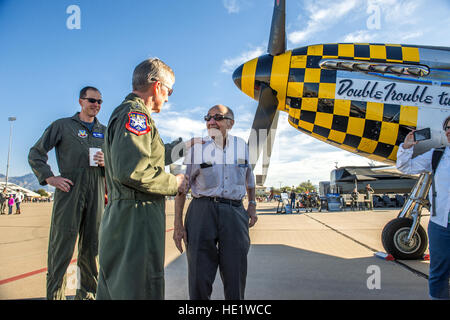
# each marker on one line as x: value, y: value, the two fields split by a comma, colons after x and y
x: 280, y: 272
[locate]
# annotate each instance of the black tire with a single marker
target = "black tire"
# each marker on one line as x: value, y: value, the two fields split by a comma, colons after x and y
x: 398, y: 229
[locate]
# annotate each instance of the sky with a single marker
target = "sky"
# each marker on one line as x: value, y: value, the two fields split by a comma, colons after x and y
x: 48, y: 52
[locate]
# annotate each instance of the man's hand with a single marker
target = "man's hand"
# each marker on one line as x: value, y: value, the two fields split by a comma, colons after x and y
x: 251, y: 211
x: 182, y: 183
x: 59, y: 182
x: 99, y: 158
x: 179, y: 233
x: 409, y: 140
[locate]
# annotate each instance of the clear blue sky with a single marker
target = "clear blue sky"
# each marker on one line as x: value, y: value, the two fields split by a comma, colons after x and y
x: 43, y: 64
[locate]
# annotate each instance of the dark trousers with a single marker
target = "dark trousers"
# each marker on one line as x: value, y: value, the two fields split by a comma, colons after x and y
x: 439, y: 238
x: 217, y: 236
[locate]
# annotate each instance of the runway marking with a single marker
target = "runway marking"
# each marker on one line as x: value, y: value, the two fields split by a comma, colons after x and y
x: 26, y: 275
x: 32, y: 273
x: 341, y: 233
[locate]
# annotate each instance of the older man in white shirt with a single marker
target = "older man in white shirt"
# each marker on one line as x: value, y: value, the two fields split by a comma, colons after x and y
x: 438, y: 227
x: 216, y: 226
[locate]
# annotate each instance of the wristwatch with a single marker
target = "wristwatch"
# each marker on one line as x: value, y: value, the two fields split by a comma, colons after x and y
x: 252, y: 202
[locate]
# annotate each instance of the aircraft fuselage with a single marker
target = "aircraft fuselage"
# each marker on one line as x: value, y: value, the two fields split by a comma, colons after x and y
x: 363, y: 98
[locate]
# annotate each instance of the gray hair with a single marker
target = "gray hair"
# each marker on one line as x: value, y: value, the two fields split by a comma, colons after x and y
x: 150, y: 70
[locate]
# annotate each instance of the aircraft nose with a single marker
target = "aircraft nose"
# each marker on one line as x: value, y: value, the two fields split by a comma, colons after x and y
x: 237, y: 76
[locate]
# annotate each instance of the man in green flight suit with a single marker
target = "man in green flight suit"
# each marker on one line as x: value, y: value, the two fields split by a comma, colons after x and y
x: 79, y: 194
x: 132, y: 231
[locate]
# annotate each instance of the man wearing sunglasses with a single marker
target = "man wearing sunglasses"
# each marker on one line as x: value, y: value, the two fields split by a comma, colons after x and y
x: 439, y: 225
x: 132, y: 231
x: 79, y: 194
x: 216, y: 229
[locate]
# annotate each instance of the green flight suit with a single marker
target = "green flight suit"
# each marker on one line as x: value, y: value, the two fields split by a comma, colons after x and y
x: 132, y: 231
x: 77, y: 212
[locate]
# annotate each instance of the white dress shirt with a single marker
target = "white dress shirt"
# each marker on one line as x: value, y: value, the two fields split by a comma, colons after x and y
x: 217, y: 172
x: 422, y: 163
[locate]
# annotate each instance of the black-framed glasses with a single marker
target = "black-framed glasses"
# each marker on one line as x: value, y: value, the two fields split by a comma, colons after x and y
x: 446, y: 128
x: 169, y: 89
x: 216, y: 117
x: 92, y: 100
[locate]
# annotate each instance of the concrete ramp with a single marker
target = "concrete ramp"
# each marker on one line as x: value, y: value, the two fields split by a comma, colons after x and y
x: 280, y: 272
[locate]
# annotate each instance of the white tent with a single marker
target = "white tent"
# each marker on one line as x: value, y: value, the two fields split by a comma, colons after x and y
x: 12, y: 188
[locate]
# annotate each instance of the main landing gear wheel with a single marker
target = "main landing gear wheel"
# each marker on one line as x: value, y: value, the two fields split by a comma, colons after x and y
x: 394, y: 237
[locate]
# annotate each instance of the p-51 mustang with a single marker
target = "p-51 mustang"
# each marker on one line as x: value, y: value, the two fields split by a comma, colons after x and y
x: 360, y: 97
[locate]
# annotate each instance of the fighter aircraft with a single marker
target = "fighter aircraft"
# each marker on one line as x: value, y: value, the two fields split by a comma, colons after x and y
x: 360, y: 97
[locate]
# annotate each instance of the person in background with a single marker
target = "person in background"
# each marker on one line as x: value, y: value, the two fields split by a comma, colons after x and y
x: 292, y: 197
x: 3, y: 201
x: 354, y: 196
x: 369, y: 195
x: 10, y: 204
x: 18, y: 200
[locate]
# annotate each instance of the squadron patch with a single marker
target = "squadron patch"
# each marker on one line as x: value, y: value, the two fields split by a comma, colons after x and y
x: 82, y: 133
x: 137, y: 123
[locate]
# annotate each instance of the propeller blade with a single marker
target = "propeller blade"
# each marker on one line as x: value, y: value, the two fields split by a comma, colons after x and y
x: 264, y: 127
x: 267, y: 149
x: 277, y: 40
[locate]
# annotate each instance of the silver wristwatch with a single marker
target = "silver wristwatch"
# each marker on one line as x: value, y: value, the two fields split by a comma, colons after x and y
x: 252, y: 202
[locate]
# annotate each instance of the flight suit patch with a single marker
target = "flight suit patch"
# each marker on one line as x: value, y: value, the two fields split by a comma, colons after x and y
x: 82, y: 133
x: 137, y: 123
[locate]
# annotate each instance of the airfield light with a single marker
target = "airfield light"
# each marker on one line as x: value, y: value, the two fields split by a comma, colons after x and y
x: 11, y: 120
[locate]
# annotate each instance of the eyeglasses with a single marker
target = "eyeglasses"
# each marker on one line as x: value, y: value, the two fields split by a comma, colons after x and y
x: 216, y: 117
x: 446, y: 128
x: 92, y: 100
x: 169, y: 89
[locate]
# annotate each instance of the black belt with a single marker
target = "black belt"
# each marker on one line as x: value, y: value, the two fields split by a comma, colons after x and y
x: 234, y: 203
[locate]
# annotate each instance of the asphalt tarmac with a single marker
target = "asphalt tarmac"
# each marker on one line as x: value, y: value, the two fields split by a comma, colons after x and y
x: 312, y: 256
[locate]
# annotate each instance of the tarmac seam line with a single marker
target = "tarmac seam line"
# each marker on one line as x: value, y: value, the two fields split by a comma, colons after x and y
x: 415, y: 271
x: 32, y: 273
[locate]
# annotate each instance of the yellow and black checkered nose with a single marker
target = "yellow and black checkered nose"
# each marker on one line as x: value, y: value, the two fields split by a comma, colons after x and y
x: 307, y: 92
x: 373, y: 130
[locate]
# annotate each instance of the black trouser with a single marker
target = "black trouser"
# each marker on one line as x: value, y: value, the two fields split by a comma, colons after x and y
x: 217, y: 236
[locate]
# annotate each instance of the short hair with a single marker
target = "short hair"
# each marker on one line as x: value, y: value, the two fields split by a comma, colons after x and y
x: 150, y: 70
x: 85, y: 89
x: 445, y: 122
